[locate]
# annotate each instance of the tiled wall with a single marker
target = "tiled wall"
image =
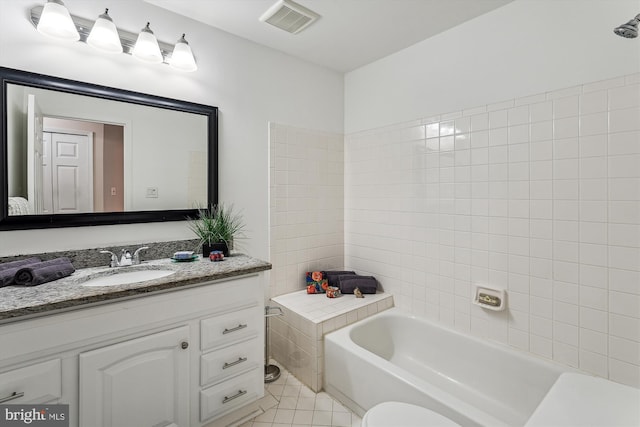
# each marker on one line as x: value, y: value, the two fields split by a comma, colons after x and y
x: 307, y: 205
x: 537, y: 195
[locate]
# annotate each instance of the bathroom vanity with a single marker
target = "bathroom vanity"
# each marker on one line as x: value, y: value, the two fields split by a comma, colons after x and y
x: 180, y: 350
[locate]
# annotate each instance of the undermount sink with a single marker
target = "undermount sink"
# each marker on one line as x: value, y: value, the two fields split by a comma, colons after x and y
x: 127, y: 277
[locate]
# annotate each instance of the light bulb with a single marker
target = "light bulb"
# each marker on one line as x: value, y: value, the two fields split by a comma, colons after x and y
x: 146, y: 48
x: 182, y: 58
x: 104, y: 35
x: 56, y: 21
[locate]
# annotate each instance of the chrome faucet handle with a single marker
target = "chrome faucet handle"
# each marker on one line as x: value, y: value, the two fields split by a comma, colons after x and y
x: 125, y: 259
x: 136, y: 255
x: 114, y: 259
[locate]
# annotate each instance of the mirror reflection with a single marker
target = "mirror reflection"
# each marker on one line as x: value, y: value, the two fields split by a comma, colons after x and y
x: 70, y: 153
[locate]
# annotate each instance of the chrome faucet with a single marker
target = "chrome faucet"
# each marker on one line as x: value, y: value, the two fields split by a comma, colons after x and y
x: 126, y: 258
x: 136, y: 255
x: 114, y: 259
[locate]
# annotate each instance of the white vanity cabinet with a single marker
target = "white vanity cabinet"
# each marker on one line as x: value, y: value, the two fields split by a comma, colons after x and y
x: 141, y: 382
x: 179, y: 358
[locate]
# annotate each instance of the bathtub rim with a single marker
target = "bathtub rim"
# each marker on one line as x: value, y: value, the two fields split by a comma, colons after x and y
x: 395, y: 311
x: 437, y: 394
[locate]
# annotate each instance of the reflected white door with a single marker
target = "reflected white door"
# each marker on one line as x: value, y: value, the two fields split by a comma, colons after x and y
x: 35, y: 155
x: 71, y: 173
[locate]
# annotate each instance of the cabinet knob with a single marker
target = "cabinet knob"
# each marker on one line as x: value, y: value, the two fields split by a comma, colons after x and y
x: 184, y: 345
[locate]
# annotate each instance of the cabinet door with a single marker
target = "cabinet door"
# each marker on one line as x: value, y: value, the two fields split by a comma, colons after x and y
x: 141, y: 382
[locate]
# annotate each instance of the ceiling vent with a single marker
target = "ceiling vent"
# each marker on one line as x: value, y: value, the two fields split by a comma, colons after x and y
x: 289, y: 16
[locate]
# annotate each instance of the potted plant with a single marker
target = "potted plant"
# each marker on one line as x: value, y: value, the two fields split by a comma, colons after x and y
x: 217, y: 226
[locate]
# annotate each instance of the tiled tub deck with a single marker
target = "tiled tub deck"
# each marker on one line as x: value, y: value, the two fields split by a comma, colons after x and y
x: 297, y: 336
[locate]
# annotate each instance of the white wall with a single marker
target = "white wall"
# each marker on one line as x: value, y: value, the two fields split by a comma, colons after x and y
x: 251, y: 85
x: 307, y: 205
x: 506, y: 152
x: 523, y: 48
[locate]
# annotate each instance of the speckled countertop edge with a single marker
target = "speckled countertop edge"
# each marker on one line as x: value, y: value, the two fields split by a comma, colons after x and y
x: 18, y: 302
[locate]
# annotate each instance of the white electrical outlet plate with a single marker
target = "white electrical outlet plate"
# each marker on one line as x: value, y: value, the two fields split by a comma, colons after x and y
x: 152, y: 193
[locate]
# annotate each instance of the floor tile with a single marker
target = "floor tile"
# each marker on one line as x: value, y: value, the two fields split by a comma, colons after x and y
x: 324, y: 404
x: 307, y: 403
x: 291, y: 390
x: 303, y: 417
x: 284, y: 416
x: 341, y: 419
x: 275, y: 389
x: 322, y: 418
x: 267, y: 417
x: 290, y: 403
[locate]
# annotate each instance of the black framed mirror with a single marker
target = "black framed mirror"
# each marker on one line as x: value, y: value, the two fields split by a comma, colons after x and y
x: 79, y: 154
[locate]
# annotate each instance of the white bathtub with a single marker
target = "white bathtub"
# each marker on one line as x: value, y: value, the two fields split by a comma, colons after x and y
x: 393, y: 356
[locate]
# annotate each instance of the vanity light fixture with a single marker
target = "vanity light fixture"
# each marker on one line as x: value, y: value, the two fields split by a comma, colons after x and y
x: 56, y: 21
x: 146, y: 48
x: 182, y: 57
x: 104, y: 35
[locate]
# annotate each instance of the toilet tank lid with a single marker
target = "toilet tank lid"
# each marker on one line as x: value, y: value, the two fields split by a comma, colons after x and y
x: 404, y: 414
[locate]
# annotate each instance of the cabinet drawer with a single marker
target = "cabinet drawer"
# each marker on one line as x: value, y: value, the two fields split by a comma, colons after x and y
x: 228, y: 361
x: 231, y: 327
x: 229, y: 395
x: 38, y: 383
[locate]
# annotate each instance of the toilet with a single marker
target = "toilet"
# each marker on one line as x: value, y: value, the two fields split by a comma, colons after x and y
x: 399, y: 414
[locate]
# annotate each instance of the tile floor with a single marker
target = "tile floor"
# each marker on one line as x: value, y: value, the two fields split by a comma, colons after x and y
x: 296, y: 405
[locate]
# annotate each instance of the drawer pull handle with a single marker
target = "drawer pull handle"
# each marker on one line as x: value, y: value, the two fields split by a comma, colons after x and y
x: 237, y: 328
x: 228, y: 399
x: 12, y: 396
x: 228, y: 365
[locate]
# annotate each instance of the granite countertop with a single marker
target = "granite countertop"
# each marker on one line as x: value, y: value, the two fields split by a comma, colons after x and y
x: 17, y: 302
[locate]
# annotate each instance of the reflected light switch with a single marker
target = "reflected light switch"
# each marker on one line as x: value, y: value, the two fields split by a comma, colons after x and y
x: 113, y: 191
x: 152, y: 193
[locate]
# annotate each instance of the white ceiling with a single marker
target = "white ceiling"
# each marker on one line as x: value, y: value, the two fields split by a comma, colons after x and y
x: 349, y: 34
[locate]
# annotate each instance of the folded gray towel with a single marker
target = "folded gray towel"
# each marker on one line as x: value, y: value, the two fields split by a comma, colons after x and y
x: 332, y: 276
x: 36, y: 274
x: 366, y: 284
x: 8, y: 270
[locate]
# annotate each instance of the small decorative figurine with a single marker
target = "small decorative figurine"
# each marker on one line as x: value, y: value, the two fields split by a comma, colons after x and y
x: 357, y: 293
x: 333, y: 292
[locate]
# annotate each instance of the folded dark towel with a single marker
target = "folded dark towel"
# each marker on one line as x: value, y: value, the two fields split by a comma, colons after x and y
x: 8, y: 270
x: 36, y: 274
x: 18, y: 263
x: 332, y: 276
x: 366, y: 284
